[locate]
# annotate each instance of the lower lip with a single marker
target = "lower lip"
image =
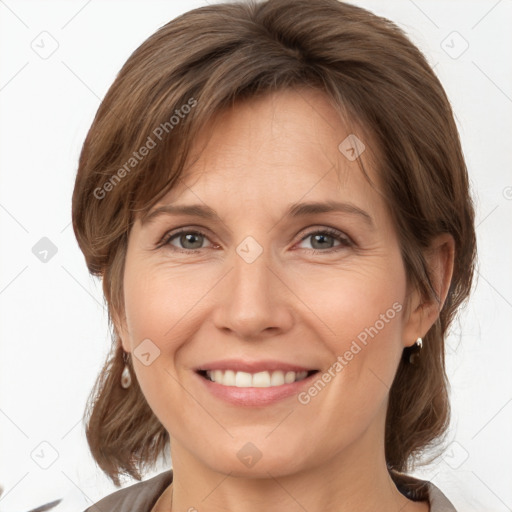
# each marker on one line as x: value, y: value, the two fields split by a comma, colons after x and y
x: 254, y: 397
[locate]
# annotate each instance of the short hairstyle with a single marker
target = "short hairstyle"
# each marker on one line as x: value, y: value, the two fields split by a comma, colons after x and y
x: 208, y: 59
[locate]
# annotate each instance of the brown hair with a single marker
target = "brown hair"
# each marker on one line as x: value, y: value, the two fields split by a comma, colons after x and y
x: 208, y: 59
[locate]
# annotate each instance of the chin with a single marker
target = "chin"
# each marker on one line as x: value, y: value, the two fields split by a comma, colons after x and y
x: 258, y: 459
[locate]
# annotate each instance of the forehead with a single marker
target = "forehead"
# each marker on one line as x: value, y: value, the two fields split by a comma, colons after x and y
x: 277, y: 147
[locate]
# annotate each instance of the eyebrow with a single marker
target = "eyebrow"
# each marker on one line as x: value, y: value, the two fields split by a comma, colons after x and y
x: 295, y: 210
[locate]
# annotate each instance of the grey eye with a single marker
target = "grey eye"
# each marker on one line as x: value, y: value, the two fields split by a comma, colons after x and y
x: 188, y: 240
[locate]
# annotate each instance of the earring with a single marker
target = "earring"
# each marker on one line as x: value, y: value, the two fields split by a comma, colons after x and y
x: 126, y: 378
x: 415, y: 355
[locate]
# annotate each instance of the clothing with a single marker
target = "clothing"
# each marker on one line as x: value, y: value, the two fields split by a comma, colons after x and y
x: 142, y: 497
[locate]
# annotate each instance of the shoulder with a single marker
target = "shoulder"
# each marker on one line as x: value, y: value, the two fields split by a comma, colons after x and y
x: 139, y: 497
x: 417, y: 489
x: 438, y: 501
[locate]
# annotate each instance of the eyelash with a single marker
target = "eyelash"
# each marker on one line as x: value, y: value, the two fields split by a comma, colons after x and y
x: 340, y: 236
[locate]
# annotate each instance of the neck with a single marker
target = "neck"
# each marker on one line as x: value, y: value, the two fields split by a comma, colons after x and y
x: 353, y: 479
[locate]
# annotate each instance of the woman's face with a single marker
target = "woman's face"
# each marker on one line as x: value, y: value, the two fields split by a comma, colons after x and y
x: 257, y: 283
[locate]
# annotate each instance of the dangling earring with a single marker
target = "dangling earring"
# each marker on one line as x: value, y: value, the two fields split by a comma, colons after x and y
x: 415, y: 355
x: 126, y: 378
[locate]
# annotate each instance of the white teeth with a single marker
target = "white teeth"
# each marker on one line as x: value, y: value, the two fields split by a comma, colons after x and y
x: 277, y: 379
x: 260, y: 380
x: 255, y: 380
x: 243, y: 380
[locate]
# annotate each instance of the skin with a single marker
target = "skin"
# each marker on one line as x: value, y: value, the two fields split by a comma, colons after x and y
x: 289, y: 304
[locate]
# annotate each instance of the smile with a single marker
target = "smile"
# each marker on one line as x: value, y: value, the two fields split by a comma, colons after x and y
x: 263, y: 379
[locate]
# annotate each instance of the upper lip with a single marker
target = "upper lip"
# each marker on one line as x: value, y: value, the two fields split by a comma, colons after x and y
x: 252, y: 366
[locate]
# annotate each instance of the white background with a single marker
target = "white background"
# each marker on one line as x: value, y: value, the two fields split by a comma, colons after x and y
x: 53, y: 324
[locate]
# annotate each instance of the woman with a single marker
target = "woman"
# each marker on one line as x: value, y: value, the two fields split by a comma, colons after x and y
x: 277, y: 373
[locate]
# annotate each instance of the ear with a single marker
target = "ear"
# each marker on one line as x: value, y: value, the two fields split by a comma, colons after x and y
x: 423, y: 313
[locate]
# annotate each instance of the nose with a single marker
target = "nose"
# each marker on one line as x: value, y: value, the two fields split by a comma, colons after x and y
x: 254, y: 301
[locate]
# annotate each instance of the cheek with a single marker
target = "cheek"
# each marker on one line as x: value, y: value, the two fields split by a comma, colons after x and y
x: 159, y: 301
x: 361, y: 313
x: 362, y: 301
x: 158, y: 312
x: 163, y: 311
